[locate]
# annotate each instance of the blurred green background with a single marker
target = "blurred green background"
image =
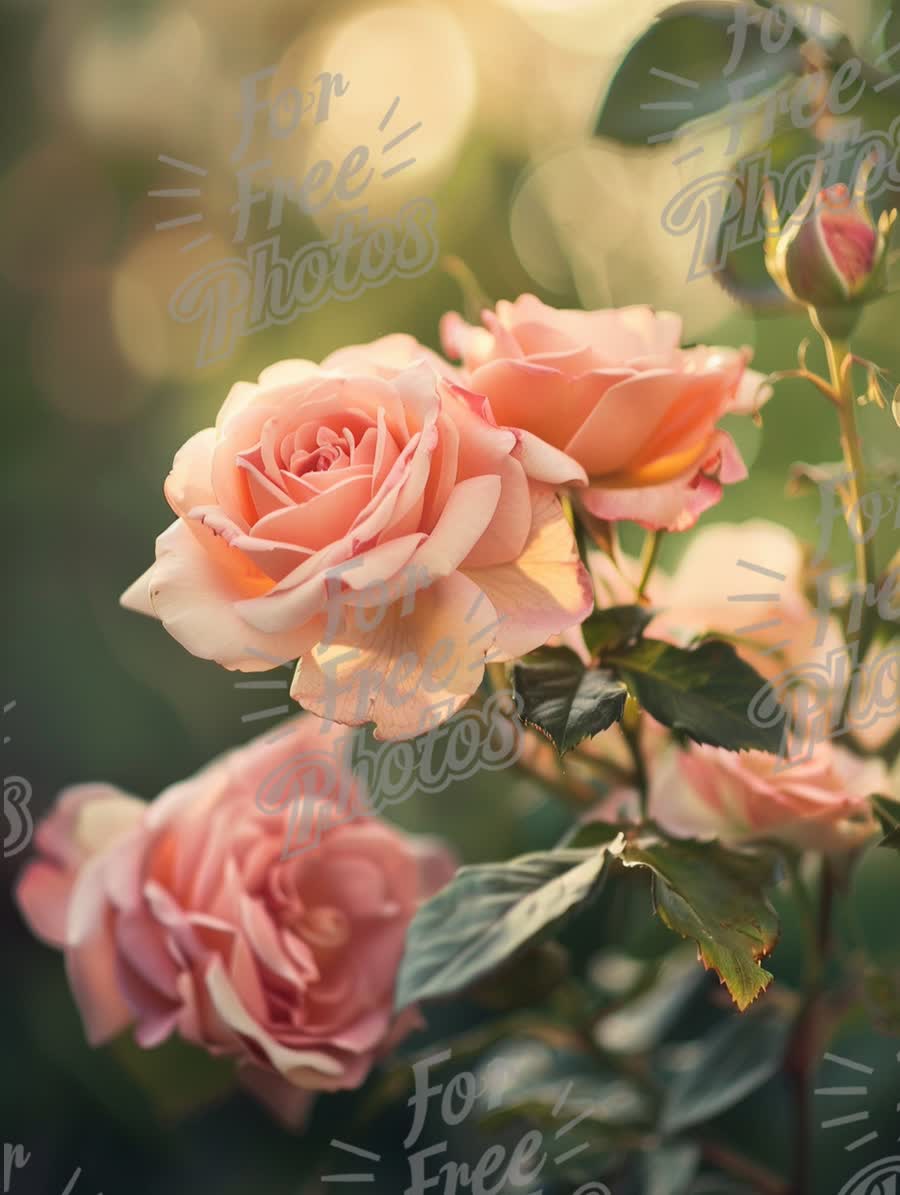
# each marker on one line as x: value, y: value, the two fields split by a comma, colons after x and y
x: 101, y: 388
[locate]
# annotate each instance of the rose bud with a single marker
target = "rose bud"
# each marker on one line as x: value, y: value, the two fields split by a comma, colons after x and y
x: 830, y: 255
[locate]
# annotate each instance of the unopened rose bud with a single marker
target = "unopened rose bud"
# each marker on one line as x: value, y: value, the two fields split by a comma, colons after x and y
x: 830, y: 255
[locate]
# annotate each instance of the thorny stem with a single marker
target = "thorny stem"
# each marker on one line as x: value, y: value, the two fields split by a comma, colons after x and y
x: 839, y: 367
x: 806, y: 375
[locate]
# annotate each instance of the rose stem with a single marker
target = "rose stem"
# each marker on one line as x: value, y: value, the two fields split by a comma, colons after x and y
x: 839, y: 367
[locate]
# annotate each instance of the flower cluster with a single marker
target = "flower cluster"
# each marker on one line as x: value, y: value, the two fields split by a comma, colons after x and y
x: 385, y: 462
x: 395, y: 522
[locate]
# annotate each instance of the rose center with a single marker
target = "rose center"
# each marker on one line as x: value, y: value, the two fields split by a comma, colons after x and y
x: 324, y: 927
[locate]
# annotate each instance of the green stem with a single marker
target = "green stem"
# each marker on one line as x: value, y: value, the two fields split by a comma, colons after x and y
x: 808, y: 916
x: 582, y: 539
x: 803, y: 1049
x: 839, y: 368
x: 649, y: 554
x: 474, y: 297
x: 631, y: 730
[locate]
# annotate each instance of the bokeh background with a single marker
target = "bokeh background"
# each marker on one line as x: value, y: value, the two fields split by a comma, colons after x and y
x: 101, y: 386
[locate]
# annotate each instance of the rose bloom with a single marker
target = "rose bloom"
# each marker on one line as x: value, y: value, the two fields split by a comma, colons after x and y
x: 820, y: 801
x: 627, y: 412
x: 710, y: 590
x: 365, y: 517
x: 185, y: 916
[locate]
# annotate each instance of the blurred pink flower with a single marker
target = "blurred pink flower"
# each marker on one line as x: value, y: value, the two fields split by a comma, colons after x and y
x: 183, y: 916
x: 780, y: 633
x: 607, y: 399
x: 820, y: 803
x: 719, y: 572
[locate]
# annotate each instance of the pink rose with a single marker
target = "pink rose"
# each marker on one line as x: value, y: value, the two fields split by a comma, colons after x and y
x: 608, y: 399
x: 365, y: 516
x: 821, y: 802
x: 183, y: 916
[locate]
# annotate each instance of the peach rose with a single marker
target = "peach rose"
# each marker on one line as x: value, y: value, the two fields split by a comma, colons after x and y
x: 821, y: 802
x: 364, y: 516
x: 746, y: 581
x: 624, y: 409
x: 182, y: 915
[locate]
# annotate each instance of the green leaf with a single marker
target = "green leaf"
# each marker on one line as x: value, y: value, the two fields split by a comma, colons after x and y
x: 887, y: 811
x: 717, y: 897
x: 881, y: 996
x: 892, y: 30
x: 736, y: 1059
x: 526, y: 980
x: 615, y: 626
x: 735, y: 251
x: 565, y: 700
x: 736, y: 258
x: 704, y: 692
x: 594, y: 1111
x: 669, y: 1169
x: 587, y: 835
x: 647, y: 1017
x: 645, y: 104
x: 488, y: 913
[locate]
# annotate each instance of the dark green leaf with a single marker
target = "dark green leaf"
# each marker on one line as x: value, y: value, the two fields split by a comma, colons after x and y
x: 488, y: 913
x: 526, y: 980
x: 737, y: 1058
x: 717, y: 897
x: 615, y: 626
x: 177, y: 1078
x: 591, y: 1109
x: 646, y: 1018
x: 586, y: 835
x: 645, y: 104
x: 887, y: 811
x: 704, y: 692
x: 565, y: 700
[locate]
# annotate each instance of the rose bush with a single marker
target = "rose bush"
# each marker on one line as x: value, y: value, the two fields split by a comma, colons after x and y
x: 182, y: 916
x: 364, y: 516
x: 627, y: 412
